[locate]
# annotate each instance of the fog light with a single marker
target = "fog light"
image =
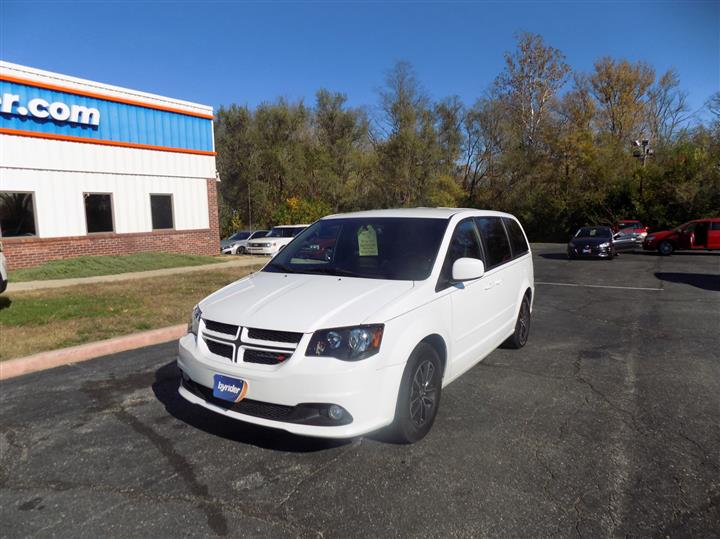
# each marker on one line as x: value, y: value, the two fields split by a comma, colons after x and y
x: 335, y: 412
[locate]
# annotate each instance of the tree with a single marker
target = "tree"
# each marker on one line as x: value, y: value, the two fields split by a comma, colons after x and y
x: 409, y: 154
x: 533, y: 75
x: 667, y: 108
x: 620, y: 89
x: 236, y: 161
x: 483, y: 143
x: 341, y: 135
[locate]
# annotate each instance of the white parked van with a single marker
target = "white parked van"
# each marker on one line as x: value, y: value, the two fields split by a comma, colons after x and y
x: 361, y: 321
x: 275, y: 240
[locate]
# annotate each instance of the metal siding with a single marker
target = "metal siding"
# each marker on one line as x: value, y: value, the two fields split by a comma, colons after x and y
x: 59, y: 199
x: 31, y: 153
x: 119, y: 122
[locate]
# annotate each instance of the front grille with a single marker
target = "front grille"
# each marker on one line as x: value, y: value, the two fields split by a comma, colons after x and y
x: 224, y: 350
x: 276, y: 336
x: 265, y: 410
x: 264, y: 357
x: 219, y: 327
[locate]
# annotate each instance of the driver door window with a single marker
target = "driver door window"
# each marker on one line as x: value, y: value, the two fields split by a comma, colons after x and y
x: 465, y: 243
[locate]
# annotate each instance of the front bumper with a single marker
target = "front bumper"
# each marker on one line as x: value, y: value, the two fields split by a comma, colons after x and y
x: 267, y: 251
x: 279, y: 395
x: 650, y: 245
x: 593, y: 252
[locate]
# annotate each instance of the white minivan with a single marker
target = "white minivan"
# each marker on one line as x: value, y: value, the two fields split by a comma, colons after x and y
x: 361, y: 321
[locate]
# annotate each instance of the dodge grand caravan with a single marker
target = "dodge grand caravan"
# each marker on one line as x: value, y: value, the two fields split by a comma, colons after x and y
x: 361, y: 321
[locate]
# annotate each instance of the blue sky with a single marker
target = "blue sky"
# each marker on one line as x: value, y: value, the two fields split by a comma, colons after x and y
x: 222, y: 52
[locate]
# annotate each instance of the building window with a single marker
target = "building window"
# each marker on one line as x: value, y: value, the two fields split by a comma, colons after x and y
x: 161, y: 209
x: 17, y: 214
x: 98, y: 212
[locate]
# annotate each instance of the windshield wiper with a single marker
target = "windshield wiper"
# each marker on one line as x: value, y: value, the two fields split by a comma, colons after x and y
x: 282, y: 267
x: 339, y: 272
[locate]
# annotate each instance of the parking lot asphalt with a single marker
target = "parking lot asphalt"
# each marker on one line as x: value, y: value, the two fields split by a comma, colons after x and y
x: 606, y: 424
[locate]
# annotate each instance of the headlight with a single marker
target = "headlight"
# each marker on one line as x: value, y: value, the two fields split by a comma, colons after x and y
x: 349, y: 344
x: 604, y: 245
x: 194, y: 321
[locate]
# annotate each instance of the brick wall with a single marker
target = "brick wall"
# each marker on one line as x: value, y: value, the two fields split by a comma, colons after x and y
x: 25, y: 252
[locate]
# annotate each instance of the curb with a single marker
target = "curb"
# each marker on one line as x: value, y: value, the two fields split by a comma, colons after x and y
x: 76, y: 354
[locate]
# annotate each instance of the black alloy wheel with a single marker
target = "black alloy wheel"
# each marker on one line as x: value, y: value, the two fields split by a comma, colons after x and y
x: 522, y: 327
x: 419, y: 396
x: 666, y: 248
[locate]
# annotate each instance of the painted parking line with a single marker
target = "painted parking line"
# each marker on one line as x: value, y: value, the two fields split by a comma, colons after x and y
x: 600, y: 286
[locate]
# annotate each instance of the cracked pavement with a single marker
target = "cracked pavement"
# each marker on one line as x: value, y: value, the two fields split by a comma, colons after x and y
x: 606, y: 424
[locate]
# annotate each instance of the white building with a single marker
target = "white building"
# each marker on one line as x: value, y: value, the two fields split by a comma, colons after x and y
x: 88, y: 168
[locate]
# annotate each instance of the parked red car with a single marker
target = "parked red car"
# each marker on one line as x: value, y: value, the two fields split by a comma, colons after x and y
x: 699, y: 234
x: 629, y: 226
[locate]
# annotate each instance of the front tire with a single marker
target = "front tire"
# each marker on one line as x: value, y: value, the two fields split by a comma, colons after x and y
x: 241, y: 251
x: 419, y: 396
x: 666, y: 248
x: 522, y: 326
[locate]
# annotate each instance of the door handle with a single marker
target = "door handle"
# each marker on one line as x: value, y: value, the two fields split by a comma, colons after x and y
x: 489, y: 285
x: 498, y: 282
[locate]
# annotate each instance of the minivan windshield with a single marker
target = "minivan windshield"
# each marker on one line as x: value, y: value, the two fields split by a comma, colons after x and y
x: 395, y: 248
x: 594, y: 232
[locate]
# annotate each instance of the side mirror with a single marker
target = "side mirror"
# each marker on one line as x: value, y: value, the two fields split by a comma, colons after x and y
x: 467, y: 269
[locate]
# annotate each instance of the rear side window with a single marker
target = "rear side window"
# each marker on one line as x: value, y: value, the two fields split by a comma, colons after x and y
x: 517, y: 238
x: 497, y: 245
x: 715, y: 225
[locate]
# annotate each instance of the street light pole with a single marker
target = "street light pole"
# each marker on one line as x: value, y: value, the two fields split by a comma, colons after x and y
x: 644, y: 150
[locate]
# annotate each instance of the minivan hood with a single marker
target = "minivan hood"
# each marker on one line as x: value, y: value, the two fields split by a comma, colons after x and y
x: 299, y: 302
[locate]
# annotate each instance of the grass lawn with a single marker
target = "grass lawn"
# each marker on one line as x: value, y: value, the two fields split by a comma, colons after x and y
x: 48, y: 319
x: 91, y: 266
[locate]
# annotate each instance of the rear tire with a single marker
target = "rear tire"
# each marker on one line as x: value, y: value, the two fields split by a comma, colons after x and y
x: 522, y: 327
x: 666, y: 248
x: 419, y: 395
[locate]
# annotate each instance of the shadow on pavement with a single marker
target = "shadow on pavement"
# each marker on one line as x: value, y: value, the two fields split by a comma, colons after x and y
x: 676, y: 253
x: 165, y: 387
x: 554, y: 256
x: 705, y: 281
x: 5, y: 303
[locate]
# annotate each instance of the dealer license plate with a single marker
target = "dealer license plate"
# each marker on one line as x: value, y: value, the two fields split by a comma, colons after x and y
x: 228, y: 388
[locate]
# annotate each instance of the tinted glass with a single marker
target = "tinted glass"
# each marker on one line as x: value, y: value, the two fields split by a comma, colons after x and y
x: 517, y: 238
x: 98, y: 212
x: 497, y: 245
x: 715, y: 225
x: 17, y: 214
x: 465, y: 243
x: 594, y: 232
x: 281, y: 232
x: 161, y: 210
x: 379, y: 248
x: 258, y: 234
x: 629, y: 225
